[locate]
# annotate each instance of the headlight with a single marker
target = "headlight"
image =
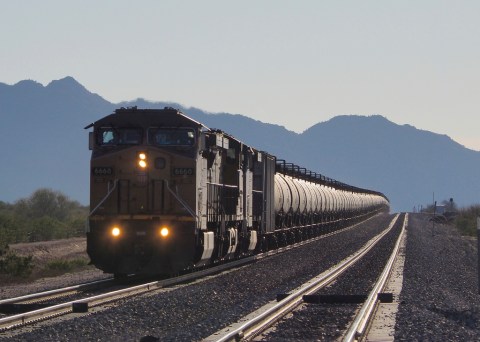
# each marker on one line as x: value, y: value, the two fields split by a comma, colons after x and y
x: 116, y: 231
x: 142, y: 160
x: 164, y: 232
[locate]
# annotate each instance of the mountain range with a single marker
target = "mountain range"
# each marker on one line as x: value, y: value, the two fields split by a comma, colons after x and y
x: 44, y: 145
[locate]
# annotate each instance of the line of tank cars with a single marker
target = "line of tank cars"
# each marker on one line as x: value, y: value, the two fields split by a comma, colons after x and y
x: 168, y: 194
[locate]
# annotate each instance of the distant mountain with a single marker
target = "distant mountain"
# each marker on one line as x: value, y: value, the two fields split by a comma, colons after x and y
x: 42, y: 138
x: 253, y: 132
x: 407, y: 164
x: 44, y: 145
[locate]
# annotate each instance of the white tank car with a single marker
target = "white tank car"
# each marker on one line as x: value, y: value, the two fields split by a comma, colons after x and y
x: 295, y: 196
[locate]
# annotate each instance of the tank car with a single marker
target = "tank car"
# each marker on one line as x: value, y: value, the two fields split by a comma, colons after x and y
x: 169, y: 194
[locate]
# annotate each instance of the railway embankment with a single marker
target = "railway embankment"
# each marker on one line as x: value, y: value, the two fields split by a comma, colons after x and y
x: 199, y: 309
x: 440, y: 298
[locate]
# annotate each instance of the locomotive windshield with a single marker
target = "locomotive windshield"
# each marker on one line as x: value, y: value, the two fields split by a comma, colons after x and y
x: 171, y: 136
x: 111, y: 136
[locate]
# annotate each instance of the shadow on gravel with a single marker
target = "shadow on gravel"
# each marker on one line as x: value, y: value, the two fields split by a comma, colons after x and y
x: 467, y: 318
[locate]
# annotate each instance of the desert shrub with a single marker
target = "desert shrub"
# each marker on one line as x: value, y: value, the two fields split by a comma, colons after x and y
x: 15, y: 265
x: 3, y: 248
x: 12, y: 229
x: 47, y: 228
x: 61, y: 266
x: 45, y: 215
x: 65, y: 265
x: 466, y: 220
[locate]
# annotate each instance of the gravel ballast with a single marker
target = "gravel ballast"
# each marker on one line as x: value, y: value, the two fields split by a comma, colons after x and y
x: 439, y: 299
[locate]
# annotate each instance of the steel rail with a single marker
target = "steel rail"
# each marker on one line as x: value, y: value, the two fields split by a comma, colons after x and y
x: 63, y: 308
x: 10, y: 322
x: 56, y: 292
x: 359, y: 325
x: 256, y: 325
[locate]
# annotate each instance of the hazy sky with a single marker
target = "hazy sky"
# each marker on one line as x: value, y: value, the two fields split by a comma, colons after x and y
x: 293, y: 63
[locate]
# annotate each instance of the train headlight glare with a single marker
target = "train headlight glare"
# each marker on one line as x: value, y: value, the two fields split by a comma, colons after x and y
x: 142, y: 160
x: 164, y: 231
x: 115, y: 231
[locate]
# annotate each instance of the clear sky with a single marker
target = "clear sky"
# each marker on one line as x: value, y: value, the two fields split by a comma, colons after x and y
x: 292, y: 63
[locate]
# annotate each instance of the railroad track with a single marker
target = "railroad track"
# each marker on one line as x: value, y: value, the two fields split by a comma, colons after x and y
x: 258, y: 322
x: 359, y: 328
x: 83, y: 305
x: 16, y: 303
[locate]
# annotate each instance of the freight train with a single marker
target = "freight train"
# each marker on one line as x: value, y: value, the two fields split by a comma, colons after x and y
x: 168, y: 194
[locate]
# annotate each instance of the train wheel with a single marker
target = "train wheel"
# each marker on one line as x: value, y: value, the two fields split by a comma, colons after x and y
x: 273, y: 243
x: 291, y: 238
x: 264, y: 245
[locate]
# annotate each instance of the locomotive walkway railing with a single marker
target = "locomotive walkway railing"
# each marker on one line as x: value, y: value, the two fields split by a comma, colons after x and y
x: 180, y: 200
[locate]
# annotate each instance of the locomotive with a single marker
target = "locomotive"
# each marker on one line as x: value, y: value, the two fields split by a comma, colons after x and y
x: 168, y: 194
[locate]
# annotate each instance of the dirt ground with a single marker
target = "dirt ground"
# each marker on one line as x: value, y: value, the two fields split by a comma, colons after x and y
x: 45, y: 251
x: 42, y: 253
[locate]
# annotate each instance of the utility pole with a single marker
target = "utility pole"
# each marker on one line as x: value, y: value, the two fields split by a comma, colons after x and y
x: 433, y: 218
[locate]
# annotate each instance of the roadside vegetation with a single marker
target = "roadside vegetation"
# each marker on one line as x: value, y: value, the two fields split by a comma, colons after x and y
x: 61, y: 266
x: 12, y: 265
x: 45, y: 215
x: 466, y: 220
x: 15, y: 268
